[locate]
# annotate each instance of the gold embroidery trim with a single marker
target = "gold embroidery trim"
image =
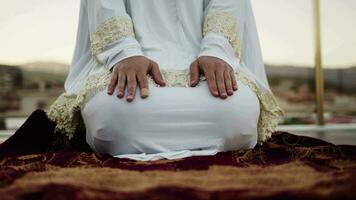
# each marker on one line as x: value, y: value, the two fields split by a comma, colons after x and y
x: 113, y: 29
x: 65, y: 111
x: 224, y: 23
x: 270, y: 112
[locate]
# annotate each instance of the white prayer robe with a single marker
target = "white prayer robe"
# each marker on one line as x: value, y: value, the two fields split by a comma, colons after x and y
x: 174, y: 121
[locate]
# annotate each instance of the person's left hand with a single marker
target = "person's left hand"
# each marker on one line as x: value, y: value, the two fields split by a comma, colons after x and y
x: 220, y: 75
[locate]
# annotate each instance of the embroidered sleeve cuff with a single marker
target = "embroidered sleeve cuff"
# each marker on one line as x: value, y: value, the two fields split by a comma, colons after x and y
x: 216, y: 45
x: 114, y: 40
x: 118, y: 51
x: 219, y: 25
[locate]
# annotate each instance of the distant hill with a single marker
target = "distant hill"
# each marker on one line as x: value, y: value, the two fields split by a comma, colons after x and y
x: 23, y: 77
x: 51, y: 67
x: 337, y: 77
x: 10, y: 75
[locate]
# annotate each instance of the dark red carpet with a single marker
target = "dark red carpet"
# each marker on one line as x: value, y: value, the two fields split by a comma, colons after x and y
x: 36, y: 164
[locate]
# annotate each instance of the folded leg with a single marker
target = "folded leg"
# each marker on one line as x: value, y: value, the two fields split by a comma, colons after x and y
x: 172, y: 119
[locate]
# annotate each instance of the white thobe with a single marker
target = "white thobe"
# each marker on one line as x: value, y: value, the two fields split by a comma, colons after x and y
x: 173, y: 122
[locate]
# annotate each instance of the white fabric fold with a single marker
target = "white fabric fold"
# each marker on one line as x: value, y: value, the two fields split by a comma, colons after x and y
x: 168, y: 155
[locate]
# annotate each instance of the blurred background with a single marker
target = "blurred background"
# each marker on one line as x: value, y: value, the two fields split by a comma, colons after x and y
x: 37, y: 39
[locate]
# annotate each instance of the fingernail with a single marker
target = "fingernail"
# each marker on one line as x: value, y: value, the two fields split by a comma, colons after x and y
x: 144, y: 92
x: 235, y: 87
x: 119, y: 94
x: 230, y: 92
x: 224, y: 95
x: 215, y: 93
x: 129, y: 98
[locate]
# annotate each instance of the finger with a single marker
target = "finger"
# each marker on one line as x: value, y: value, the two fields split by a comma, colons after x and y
x: 122, y: 85
x: 112, y: 83
x: 156, y: 74
x: 143, y: 83
x: 221, y: 83
x: 131, y: 86
x: 210, y: 77
x: 228, y: 83
x: 194, y: 73
x: 233, y: 80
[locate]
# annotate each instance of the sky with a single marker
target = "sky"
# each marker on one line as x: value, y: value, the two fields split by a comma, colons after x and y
x: 45, y: 30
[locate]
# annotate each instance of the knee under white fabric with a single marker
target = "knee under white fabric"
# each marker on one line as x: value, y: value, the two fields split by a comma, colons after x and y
x: 173, y: 122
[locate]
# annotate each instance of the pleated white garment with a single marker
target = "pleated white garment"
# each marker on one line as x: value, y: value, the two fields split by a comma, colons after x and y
x: 173, y: 122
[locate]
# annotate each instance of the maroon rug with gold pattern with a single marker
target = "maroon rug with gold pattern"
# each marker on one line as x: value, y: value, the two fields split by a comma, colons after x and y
x: 286, y: 167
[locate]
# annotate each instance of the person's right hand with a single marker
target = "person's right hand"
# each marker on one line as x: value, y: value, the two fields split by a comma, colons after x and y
x: 133, y: 70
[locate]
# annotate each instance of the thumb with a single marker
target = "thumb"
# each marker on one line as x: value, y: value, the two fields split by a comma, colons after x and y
x: 156, y: 74
x: 194, y: 73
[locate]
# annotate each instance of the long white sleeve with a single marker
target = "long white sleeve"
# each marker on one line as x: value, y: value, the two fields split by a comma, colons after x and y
x: 79, y: 67
x: 111, y: 32
x: 230, y: 34
x: 252, y: 55
x: 221, y: 29
x: 105, y: 36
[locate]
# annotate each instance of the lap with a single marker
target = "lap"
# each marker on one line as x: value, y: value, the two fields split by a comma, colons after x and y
x: 173, y: 113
